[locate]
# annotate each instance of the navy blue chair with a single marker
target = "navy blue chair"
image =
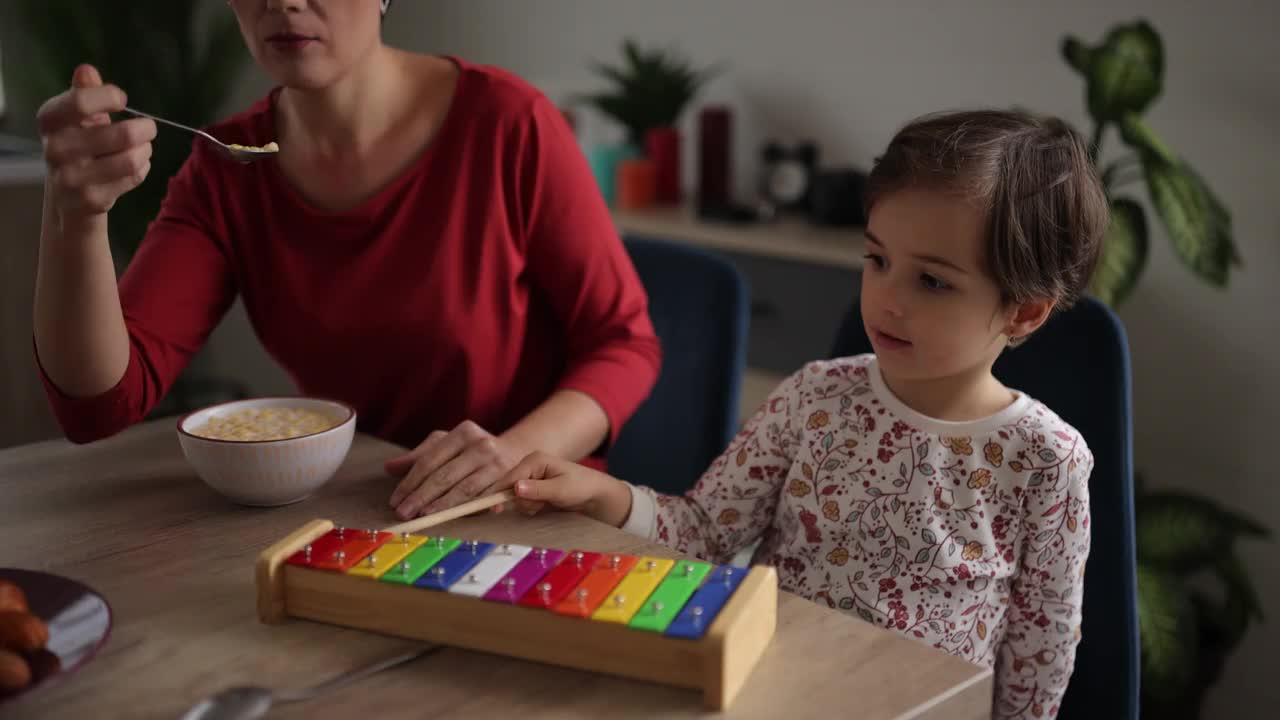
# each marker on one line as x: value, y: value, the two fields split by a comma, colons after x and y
x: 700, y: 308
x: 1078, y: 365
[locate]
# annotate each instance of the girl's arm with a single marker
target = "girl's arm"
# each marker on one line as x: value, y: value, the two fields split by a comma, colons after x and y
x: 733, y: 502
x: 1038, y: 652
x: 730, y: 507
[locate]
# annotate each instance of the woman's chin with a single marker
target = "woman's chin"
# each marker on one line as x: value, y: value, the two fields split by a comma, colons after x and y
x: 301, y: 76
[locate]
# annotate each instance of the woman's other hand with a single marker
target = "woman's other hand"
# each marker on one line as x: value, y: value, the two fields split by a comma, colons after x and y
x: 448, y: 469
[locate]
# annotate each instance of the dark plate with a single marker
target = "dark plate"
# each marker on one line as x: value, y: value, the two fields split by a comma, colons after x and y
x: 79, y: 621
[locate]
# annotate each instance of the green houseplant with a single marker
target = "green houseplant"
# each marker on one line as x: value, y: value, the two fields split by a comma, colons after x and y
x: 1124, y: 75
x: 1195, y: 598
x: 1186, y: 543
x: 650, y: 89
x: 178, y: 60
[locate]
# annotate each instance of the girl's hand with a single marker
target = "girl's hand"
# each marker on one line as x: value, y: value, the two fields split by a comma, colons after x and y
x: 92, y: 161
x: 545, y: 479
x: 448, y: 469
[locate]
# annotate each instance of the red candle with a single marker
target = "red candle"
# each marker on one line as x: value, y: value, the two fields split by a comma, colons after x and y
x: 715, y: 140
x: 662, y: 146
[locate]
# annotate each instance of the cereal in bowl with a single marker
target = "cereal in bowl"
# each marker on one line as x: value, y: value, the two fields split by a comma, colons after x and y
x: 259, y: 424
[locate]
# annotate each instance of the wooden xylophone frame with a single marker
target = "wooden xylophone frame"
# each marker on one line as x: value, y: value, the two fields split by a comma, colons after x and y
x: 718, y: 663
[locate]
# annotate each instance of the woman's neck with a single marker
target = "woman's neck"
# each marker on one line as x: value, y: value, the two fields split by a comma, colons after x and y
x: 335, y: 120
x: 963, y: 397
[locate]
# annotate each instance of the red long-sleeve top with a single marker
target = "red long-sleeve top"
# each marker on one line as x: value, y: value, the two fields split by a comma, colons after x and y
x: 481, y: 280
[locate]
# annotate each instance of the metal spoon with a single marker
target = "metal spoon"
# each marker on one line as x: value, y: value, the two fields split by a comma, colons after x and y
x: 246, y: 702
x: 241, y: 154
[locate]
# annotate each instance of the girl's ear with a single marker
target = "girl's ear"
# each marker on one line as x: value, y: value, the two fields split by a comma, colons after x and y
x: 1027, y: 318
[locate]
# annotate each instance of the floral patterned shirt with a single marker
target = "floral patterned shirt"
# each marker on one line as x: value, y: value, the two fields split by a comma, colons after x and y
x: 969, y: 536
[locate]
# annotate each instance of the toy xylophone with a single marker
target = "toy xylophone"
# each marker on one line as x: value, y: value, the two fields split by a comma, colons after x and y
x: 683, y: 623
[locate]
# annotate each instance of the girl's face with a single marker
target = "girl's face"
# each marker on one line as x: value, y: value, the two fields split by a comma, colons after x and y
x: 309, y: 44
x: 929, y: 306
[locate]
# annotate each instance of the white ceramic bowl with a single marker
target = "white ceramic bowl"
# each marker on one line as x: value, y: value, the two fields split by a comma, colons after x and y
x: 269, y: 472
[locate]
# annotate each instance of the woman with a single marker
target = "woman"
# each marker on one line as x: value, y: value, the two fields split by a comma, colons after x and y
x: 428, y: 246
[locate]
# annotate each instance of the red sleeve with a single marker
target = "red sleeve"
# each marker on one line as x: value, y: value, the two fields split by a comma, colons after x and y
x: 174, y: 292
x: 576, y: 258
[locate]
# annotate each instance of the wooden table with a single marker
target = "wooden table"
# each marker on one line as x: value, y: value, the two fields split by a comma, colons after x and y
x: 129, y: 517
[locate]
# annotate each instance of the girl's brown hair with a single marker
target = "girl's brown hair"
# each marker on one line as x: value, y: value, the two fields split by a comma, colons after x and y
x: 1046, y: 212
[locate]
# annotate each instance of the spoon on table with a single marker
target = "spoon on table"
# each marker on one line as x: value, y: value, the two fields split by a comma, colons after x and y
x: 245, y: 702
x: 240, y: 153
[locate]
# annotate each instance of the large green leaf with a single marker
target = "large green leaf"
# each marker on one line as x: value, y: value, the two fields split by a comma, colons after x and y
x: 1240, y: 591
x: 1126, y: 73
x: 1224, y: 622
x: 1167, y: 627
x: 1221, y: 216
x: 1078, y: 55
x: 1124, y: 252
x: 1197, y: 222
x: 1245, y: 526
x: 1139, y: 136
x: 1180, y: 532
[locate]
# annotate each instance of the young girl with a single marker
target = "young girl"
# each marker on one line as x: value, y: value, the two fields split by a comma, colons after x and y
x: 909, y: 487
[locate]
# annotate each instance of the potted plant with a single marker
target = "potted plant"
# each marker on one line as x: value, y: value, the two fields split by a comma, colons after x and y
x: 173, y: 59
x: 1186, y: 543
x: 1187, y: 634
x: 177, y: 60
x: 648, y: 93
x: 1124, y: 75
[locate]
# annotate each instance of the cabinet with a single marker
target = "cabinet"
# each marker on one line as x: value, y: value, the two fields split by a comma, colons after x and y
x: 26, y: 416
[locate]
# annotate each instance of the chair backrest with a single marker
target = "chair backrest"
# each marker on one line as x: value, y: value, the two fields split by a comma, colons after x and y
x: 700, y: 309
x: 1078, y: 365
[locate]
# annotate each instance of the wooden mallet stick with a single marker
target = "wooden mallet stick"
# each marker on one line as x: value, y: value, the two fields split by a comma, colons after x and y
x: 466, y: 508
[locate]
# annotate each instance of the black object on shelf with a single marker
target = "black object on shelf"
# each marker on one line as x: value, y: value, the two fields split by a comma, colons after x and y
x: 786, y: 174
x: 727, y: 212
x: 836, y: 198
